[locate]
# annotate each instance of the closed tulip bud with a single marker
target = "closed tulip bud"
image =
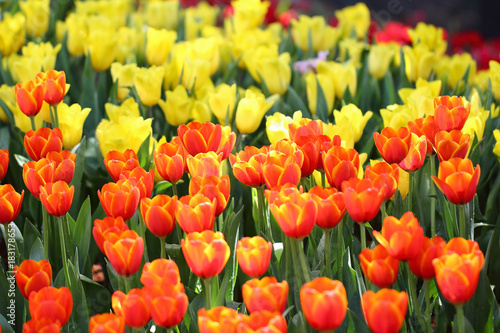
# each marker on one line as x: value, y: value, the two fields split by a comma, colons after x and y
x: 340, y: 164
x: 170, y: 161
x: 131, y: 307
x: 431, y: 248
x: 385, y: 311
x: 106, y: 322
x: 206, y: 253
x: 451, y: 144
x: 106, y: 226
x: 54, y: 85
x: 52, y: 303
x: 10, y: 203
x: 64, y: 165
x: 177, y: 106
x: 31, y: 276
x: 214, y: 188
x: 147, y: 82
x: 362, y: 199
x: 37, y: 14
x: 402, y: 238
x: 254, y: 255
x: 324, y: 303
x: 124, y: 252
x: 222, y: 102
x: 101, y: 45
x: 416, y: 155
x: 44, y: 325
x: 262, y: 321
x: 119, y: 199
x: 280, y: 169
x: 159, y: 214
x: 201, y: 138
x: 57, y: 197
x: 218, y: 319
x: 4, y: 162
x: 44, y: 140
x: 29, y: 97
x: 117, y: 162
x: 160, y: 271
x: 458, y: 179
x: 378, y: 266
x: 331, y: 206
x: 451, y: 112
x: 158, y: 45
x: 393, y: 145
x: 71, y: 120
x: 251, y: 109
x: 266, y: 294
x: 379, y: 59
x: 167, y: 304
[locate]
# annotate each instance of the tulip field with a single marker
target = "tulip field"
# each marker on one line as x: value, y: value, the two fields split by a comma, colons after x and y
x: 239, y: 166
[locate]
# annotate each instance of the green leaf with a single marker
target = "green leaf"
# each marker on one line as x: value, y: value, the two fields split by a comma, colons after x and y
x: 321, y: 105
x: 80, y: 314
x: 143, y: 153
x: 7, y: 112
x: 77, y: 176
x: 297, y: 103
x: 31, y: 234
x: 98, y: 297
x: 82, y: 233
x: 36, y: 250
x: 4, y: 324
x: 389, y: 94
x: 21, y: 159
x: 113, y: 276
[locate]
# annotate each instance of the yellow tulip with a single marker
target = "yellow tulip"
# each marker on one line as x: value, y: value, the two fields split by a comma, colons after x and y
x: 379, y: 59
x: 76, y: 27
x: 147, y: 83
x: 128, y: 109
x: 418, y: 62
x: 13, y: 33
x: 124, y: 74
x: 101, y: 45
x: 430, y: 36
x: 7, y: 96
x: 482, y: 79
x: 195, y: 72
x: 248, y: 14
x: 198, y: 17
x: 314, y: 31
x: 37, y: 14
x: 351, y: 50
x: 454, y: 68
x: 127, y: 50
x: 496, y: 148
x: 277, y: 127
x: 495, y: 78
x: 475, y: 123
x: 201, y: 112
x: 116, y: 10
x: 326, y: 84
x: 177, y: 107
x: 250, y: 40
x: 162, y: 14
x: 265, y: 64
x: 396, y: 116
x: 251, y: 109
x: 129, y: 133
x: 222, y: 102
x: 352, y: 115
x: 159, y: 43
x: 71, y: 120
x: 344, y: 76
x: 420, y: 100
x: 46, y: 51
x: 206, y: 49
x: 354, y: 18
x: 346, y: 133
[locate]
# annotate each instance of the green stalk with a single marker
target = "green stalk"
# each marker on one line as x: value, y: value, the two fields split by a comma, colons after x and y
x: 174, y: 188
x: 127, y: 284
x: 340, y: 248
x: 63, y: 251
x: 261, y: 222
x: 33, y: 125
x: 460, y: 318
x: 328, y: 267
x: 46, y: 233
x: 163, y: 252
x: 433, y: 198
x: 383, y: 211
x: 56, y: 116
x: 303, y: 261
x: 427, y: 300
x: 208, y: 293
x: 323, y: 178
x: 179, y: 233
x: 363, y: 235
x: 142, y: 230
x: 461, y: 220
x: 410, y: 191
x: 68, y: 236
x: 413, y: 297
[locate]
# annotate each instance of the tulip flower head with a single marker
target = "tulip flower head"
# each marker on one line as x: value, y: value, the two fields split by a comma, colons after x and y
x: 124, y: 252
x: 10, y: 203
x: 41, y: 325
x: 142, y: 179
x: 64, y: 165
x: 340, y: 164
x: 160, y: 271
x: 196, y: 213
x: 120, y: 198
x: 51, y: 303
x: 38, y: 144
x: 214, y: 188
x: 106, y: 322
x: 218, y: 319
x: 31, y: 276
x: 378, y: 266
x: 116, y: 162
x: 385, y: 310
x: 247, y: 165
x: 416, y: 155
x: 331, y: 206
x: 280, y: 168
x: 167, y: 303
x: 4, y: 162
x: 262, y: 321
x: 131, y: 307
x: 37, y: 174
x: 205, y: 164
x: 158, y: 214
x: 383, y: 173
x: 170, y: 161
x: 431, y: 249
x: 57, y: 197
x: 362, y: 199
x: 425, y: 126
x: 451, y: 112
x: 201, y: 138
x: 451, y: 144
x: 266, y: 294
x: 54, y: 85
x: 29, y: 97
x: 393, y: 145
x: 254, y: 255
x: 105, y: 226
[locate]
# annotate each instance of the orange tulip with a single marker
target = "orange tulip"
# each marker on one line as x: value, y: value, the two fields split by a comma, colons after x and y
x: 458, y: 179
x: 219, y: 319
x: 362, y: 199
x: 167, y: 304
x: 421, y: 265
x: 425, y: 126
x: 458, y: 269
x: 340, y: 165
x: 204, y: 164
x: 105, y: 226
x: 247, y: 165
x: 37, y: 174
x: 280, y: 169
x: 51, y: 303
x: 132, y: 307
x: 120, y: 198
x: 214, y: 188
x: 57, y: 197
x: 326, y: 145
x: 29, y: 97
x: 254, y: 255
x: 206, y: 253
x: 401, y: 238
x: 170, y: 161
x: 54, y: 85
x: 124, y: 252
x: 378, y: 266
x: 262, y: 322
x: 106, y: 323
x: 311, y: 149
x: 44, y: 140
x: 116, y: 162
x: 295, y: 213
x: 10, y: 203
x: 383, y: 173
x: 305, y: 127
x: 266, y: 294
x: 385, y: 310
x: 42, y: 325
x: 393, y: 145
x: 201, y: 138
x: 160, y: 271
x: 159, y: 214
x: 143, y: 180
x: 324, y: 303
x: 451, y: 112
x: 64, y: 165
x: 416, y: 155
x: 4, y: 163
x: 195, y: 213
x: 331, y: 206
x: 32, y: 276
x: 451, y: 144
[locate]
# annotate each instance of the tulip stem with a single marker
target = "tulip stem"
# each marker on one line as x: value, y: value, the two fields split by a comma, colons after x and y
x: 410, y: 191
x: 174, y: 188
x: 362, y: 233
x: 208, y: 293
x: 433, y: 198
x: 63, y: 251
x: 413, y: 298
x: 163, y: 252
x: 68, y: 236
x: 383, y: 211
x: 142, y: 230
x: 340, y: 248
x: 460, y: 318
x: 427, y: 300
x: 46, y: 233
x: 328, y: 267
x: 461, y: 220
x: 127, y: 284
x: 323, y: 178
x: 262, y: 223
x: 54, y: 118
x: 33, y: 125
x: 303, y: 261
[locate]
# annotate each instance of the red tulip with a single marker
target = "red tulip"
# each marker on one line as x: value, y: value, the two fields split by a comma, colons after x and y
x: 451, y: 144
x: 378, y: 266
x: 120, y: 198
x: 106, y: 323
x: 44, y: 140
x: 416, y: 155
x: 362, y: 199
x: 385, y: 310
x: 421, y: 265
x: 204, y: 164
x: 29, y: 97
x: 262, y: 322
x: 170, y: 161
x: 383, y: 173
x: 218, y: 320
x: 331, y: 206
x: 159, y: 214
x: 195, y: 213
x: 31, y: 276
x: 254, y: 255
x: 131, y: 307
x: 124, y: 252
x: 425, y: 126
x: 167, y: 304
x: 51, y: 303
x: 107, y: 225
x: 340, y: 164
x: 42, y: 325
x: 142, y: 179
x: 37, y: 174
x: 214, y: 188
x: 201, y: 138
x: 266, y: 294
x: 160, y: 271
x: 4, y: 162
x: 10, y: 203
x: 117, y: 162
x: 64, y: 165
x: 393, y: 145
x: 247, y: 165
x: 54, y: 85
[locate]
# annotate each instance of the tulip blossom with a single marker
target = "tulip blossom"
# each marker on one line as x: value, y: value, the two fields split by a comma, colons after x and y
x: 331, y: 206
x: 262, y: 321
x: 378, y: 266
x: 54, y: 85
x: 117, y: 162
x: 383, y: 173
x: 120, y: 198
x: 131, y: 307
x: 170, y: 161
x: 451, y: 144
x: 142, y: 179
x: 167, y: 303
x: 393, y: 145
x: 362, y: 199
x: 416, y: 155
x: 254, y: 255
x: 160, y: 271
x: 340, y: 164
x: 29, y: 97
x: 37, y: 174
x: 205, y: 164
x: 44, y: 325
x: 44, y: 140
x: 280, y: 169
x: 10, y: 203
x: 124, y: 252
x: 214, y: 188
x: 64, y: 165
x: 431, y: 249
x: 425, y: 126
x: 384, y: 311
x: 218, y: 319
x: 159, y: 214
x: 105, y: 226
x: 4, y: 162
x: 31, y: 276
x: 57, y: 197
x: 106, y: 322
x: 247, y: 165
x: 266, y: 294
x: 201, y: 138
x: 195, y: 213
x: 451, y: 112
x: 52, y: 303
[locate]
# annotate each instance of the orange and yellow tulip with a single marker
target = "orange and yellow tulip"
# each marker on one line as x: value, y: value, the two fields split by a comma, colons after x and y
x: 254, y: 255
x: 458, y: 179
x: 142, y: 179
x: 378, y: 266
x: 54, y: 85
x: 131, y: 307
x: 52, y: 303
x: 107, y: 225
x: 393, y: 145
x: 219, y: 319
x: 206, y: 253
x: 160, y: 271
x: 204, y: 164
x: 385, y: 311
x: 383, y: 173
x: 38, y: 173
x: 106, y: 323
x: 280, y: 169
x: 170, y: 161
x: 305, y: 127
x: 57, y: 197
x: 4, y: 163
x: 159, y: 214
x: 451, y: 112
x: 425, y: 126
x: 214, y: 188
x: 416, y: 155
x: 201, y: 138
x: 31, y: 276
x: 120, y: 198
x: 362, y: 199
x: 266, y: 294
x: 340, y: 164
x: 331, y: 206
x: 43, y: 325
x: 324, y: 303
x: 44, y: 140
x: 311, y: 149
x: 167, y: 304
x: 402, y: 238
x: 29, y: 97
x: 451, y: 144
x: 421, y: 265
x: 195, y: 213
x: 64, y: 165
x: 10, y: 203
x: 124, y: 252
x: 247, y: 165
x: 116, y: 162
x: 262, y: 321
